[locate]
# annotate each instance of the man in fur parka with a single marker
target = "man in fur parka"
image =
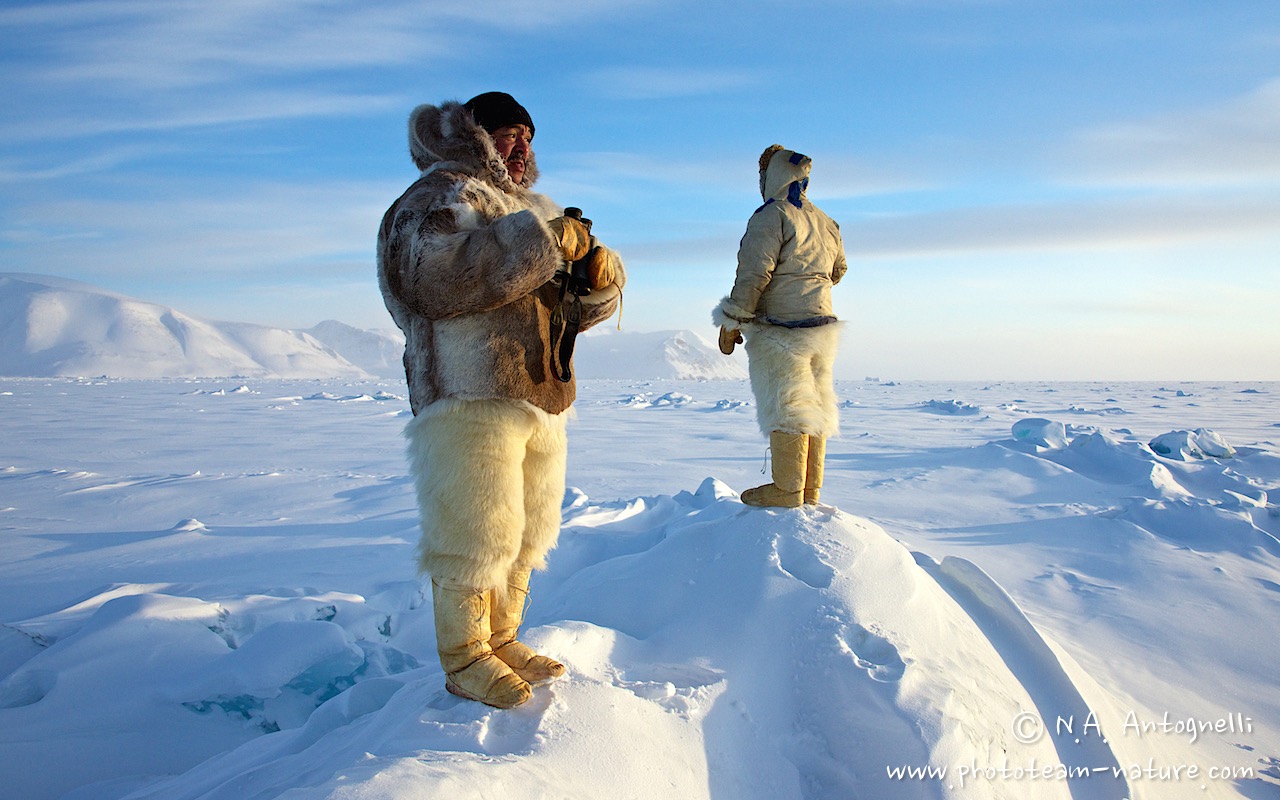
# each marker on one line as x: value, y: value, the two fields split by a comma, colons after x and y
x: 789, y: 258
x: 467, y: 262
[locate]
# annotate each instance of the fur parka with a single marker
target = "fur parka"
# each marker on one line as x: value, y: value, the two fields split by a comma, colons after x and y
x: 465, y: 264
x: 790, y: 256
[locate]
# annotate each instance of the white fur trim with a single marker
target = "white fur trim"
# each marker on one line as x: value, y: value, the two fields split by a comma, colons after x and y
x: 489, y: 476
x: 730, y: 315
x: 599, y: 296
x: 791, y: 379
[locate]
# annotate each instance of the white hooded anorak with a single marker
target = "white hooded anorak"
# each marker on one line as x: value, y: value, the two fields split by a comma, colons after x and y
x: 790, y: 256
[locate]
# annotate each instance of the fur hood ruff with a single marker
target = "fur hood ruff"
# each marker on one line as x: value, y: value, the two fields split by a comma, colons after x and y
x: 446, y: 137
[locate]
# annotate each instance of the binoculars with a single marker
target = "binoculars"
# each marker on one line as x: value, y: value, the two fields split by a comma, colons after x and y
x: 573, y: 275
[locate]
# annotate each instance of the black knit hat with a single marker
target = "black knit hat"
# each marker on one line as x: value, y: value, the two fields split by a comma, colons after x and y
x: 493, y: 110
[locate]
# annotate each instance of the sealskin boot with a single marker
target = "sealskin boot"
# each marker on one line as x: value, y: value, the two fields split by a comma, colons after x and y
x: 471, y: 670
x: 790, y: 451
x: 507, y: 614
x: 814, y: 469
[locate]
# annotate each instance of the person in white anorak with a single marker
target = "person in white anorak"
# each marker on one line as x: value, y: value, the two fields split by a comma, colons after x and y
x: 789, y: 258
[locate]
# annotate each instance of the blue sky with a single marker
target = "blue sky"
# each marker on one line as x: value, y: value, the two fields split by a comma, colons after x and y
x: 1047, y: 189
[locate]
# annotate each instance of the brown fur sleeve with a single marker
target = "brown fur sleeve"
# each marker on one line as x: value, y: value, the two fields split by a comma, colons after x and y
x: 441, y: 266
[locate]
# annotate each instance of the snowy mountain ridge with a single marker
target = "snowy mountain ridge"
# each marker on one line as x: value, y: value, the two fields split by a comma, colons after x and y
x: 59, y: 327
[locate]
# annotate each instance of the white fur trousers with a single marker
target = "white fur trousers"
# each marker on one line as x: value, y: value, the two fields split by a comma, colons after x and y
x: 490, y: 479
x: 790, y: 371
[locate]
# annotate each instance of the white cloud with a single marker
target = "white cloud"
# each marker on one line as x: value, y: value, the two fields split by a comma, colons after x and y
x: 1236, y: 142
x: 192, y: 42
x: 651, y: 83
x: 834, y: 176
x: 251, y: 106
x: 1136, y: 222
x: 15, y: 171
x: 254, y: 230
x: 104, y: 66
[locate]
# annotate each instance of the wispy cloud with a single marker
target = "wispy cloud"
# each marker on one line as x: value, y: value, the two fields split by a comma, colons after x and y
x: 106, y: 66
x: 16, y: 171
x: 248, y: 229
x: 1151, y: 221
x: 214, y: 111
x: 1236, y: 142
x: 652, y: 83
x: 140, y: 45
x: 192, y: 42
x: 835, y: 176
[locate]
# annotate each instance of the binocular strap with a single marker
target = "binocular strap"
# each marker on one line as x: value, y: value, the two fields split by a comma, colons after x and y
x: 565, y: 322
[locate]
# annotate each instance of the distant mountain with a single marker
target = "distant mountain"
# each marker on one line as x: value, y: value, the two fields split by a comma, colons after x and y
x: 679, y: 355
x: 599, y: 354
x: 378, y: 352
x: 52, y: 326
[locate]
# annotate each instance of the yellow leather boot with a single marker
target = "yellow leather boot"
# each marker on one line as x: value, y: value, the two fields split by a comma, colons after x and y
x: 815, y: 467
x: 790, y: 460
x: 507, y: 614
x: 471, y: 669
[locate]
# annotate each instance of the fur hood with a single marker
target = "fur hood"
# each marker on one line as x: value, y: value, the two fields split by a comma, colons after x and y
x: 446, y: 137
x: 786, y: 177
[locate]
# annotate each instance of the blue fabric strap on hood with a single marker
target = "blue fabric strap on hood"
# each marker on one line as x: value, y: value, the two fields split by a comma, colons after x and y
x: 794, y: 191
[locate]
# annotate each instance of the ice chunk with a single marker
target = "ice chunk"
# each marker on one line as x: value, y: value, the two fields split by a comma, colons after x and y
x: 1191, y: 445
x: 1041, y: 432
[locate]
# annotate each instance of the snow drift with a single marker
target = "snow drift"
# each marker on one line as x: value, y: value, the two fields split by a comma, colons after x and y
x: 775, y: 654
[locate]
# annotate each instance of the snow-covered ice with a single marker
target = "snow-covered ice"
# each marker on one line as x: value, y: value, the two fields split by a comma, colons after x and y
x: 207, y: 591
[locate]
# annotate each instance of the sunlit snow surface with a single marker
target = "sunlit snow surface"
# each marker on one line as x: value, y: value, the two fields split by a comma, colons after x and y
x: 206, y: 590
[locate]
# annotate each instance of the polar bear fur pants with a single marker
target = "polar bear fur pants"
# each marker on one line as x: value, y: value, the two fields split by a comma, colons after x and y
x: 490, y: 479
x: 791, y: 379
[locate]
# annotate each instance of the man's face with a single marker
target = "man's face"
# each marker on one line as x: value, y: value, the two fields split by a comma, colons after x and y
x: 514, y: 143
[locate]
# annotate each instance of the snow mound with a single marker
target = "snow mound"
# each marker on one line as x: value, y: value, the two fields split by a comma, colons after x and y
x: 751, y: 653
x: 56, y: 327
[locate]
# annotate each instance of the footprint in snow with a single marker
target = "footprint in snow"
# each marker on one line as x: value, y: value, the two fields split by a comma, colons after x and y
x: 799, y: 560
x: 873, y: 653
x: 679, y: 688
